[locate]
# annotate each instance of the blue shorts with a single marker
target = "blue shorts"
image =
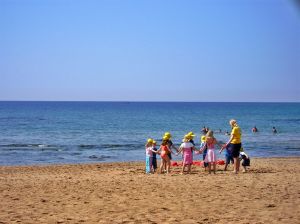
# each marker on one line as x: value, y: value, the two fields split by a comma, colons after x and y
x: 204, y: 155
x: 228, y: 158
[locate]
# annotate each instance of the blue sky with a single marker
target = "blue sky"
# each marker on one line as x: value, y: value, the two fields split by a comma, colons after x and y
x: 126, y: 50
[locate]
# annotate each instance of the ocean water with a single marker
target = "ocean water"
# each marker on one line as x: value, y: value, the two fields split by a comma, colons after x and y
x: 88, y: 132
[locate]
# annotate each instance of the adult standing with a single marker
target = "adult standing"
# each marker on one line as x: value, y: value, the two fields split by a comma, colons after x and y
x: 234, y: 144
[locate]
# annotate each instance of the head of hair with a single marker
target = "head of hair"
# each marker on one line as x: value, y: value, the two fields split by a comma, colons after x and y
x: 209, y: 134
x: 232, y: 122
x: 164, y: 142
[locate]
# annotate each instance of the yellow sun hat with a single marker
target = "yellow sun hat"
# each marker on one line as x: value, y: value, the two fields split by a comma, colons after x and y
x: 188, y: 136
x: 150, y: 140
x: 154, y: 142
x: 191, y: 135
x: 203, y: 138
x: 166, y: 137
x: 168, y: 134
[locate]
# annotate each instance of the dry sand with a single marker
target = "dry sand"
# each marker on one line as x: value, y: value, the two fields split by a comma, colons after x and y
x: 122, y: 193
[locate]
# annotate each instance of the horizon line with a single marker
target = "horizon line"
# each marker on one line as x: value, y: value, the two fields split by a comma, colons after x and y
x: 147, y: 101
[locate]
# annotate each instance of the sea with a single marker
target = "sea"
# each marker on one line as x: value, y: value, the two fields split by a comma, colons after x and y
x: 43, y: 133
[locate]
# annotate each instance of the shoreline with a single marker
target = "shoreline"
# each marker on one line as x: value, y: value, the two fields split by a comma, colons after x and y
x: 133, y: 161
x: 121, y: 192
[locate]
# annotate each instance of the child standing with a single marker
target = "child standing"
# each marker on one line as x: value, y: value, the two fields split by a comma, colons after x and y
x: 154, y: 161
x: 167, y: 136
x: 228, y: 157
x: 191, y: 136
x: 210, y: 157
x: 149, y: 155
x: 203, y: 145
x: 164, y: 152
x: 187, y: 148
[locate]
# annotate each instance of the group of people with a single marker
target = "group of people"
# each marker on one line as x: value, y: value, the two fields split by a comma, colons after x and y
x: 254, y: 130
x: 187, y: 147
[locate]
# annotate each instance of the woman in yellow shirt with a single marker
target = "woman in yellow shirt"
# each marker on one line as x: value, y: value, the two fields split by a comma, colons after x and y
x: 234, y: 144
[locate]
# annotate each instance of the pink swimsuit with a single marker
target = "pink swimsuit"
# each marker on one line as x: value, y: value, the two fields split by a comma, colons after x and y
x: 187, y: 153
x: 187, y: 156
x: 211, y: 156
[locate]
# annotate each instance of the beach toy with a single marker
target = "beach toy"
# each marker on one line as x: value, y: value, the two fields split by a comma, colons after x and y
x: 197, y: 163
x: 174, y: 164
x: 220, y: 162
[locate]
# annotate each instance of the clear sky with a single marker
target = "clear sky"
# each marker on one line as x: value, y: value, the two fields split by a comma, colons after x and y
x: 150, y: 50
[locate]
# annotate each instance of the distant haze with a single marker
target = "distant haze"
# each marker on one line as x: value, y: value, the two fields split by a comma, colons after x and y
x: 117, y: 50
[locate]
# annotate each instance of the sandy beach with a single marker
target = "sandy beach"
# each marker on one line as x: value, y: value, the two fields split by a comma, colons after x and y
x: 122, y: 193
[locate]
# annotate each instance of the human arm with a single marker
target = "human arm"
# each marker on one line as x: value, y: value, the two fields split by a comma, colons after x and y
x: 203, y: 146
x: 220, y: 145
x: 174, y: 147
x: 197, y: 151
x: 225, y: 145
x: 169, y: 149
x: 179, y: 151
x: 158, y: 151
x: 222, y: 148
x: 194, y: 149
x: 154, y: 151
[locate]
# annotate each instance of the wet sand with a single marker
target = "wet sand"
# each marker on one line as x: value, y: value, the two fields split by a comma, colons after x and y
x: 122, y: 193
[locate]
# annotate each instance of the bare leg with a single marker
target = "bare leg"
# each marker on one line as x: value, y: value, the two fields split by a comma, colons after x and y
x: 168, y: 163
x: 214, y: 165
x: 209, y: 167
x: 182, y: 170
x: 236, y: 165
x: 226, y: 164
x: 189, y: 168
x: 162, y: 165
x: 244, y: 169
